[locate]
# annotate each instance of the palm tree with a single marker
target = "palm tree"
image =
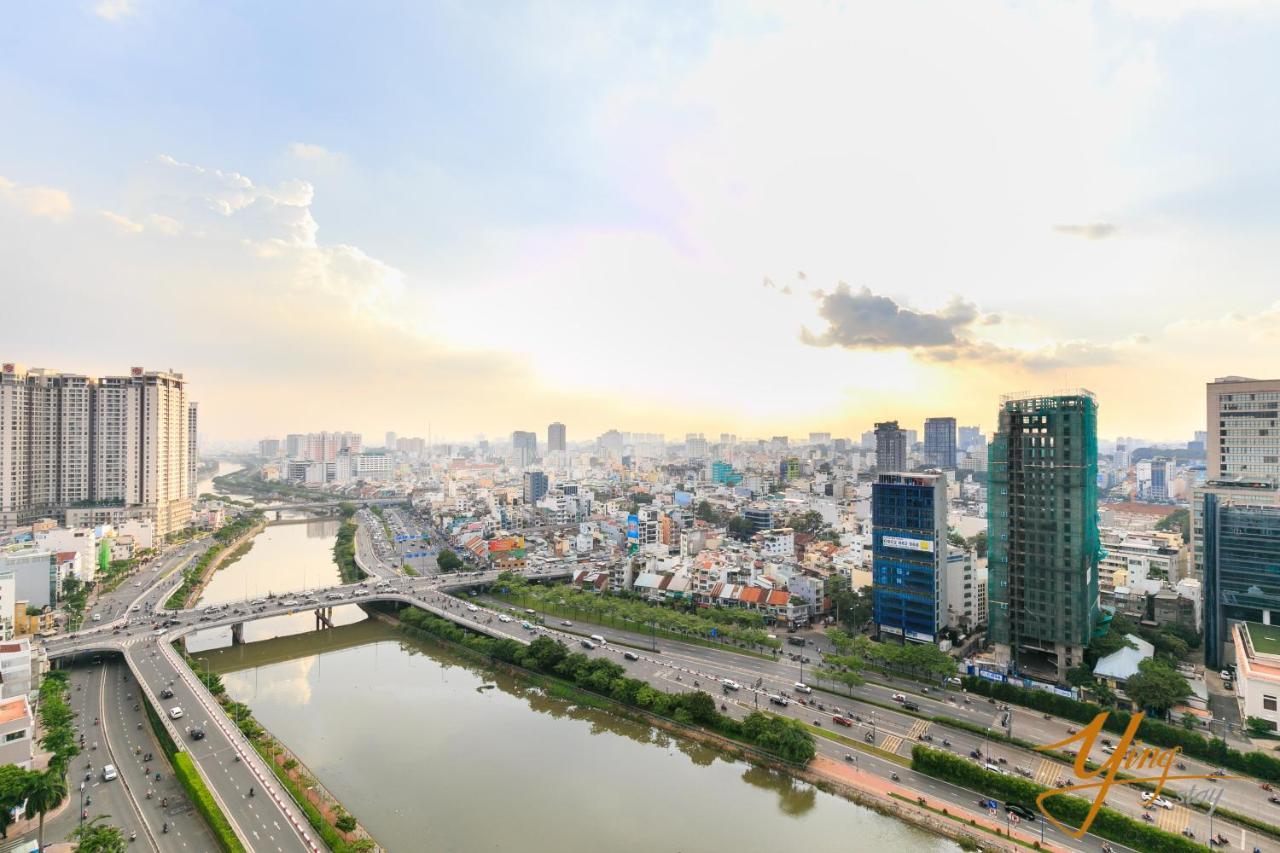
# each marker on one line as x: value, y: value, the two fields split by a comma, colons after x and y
x: 46, y: 790
x: 96, y: 837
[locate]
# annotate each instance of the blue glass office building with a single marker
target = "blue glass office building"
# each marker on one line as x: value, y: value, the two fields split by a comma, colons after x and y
x: 1241, y: 570
x: 909, y: 555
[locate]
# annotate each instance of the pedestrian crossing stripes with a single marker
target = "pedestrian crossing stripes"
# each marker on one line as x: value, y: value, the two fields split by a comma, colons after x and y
x: 919, y: 728
x: 1173, y: 820
x: 1047, y: 772
x: 891, y: 743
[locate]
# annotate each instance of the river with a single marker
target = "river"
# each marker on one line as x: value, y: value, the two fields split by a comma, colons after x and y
x: 205, y: 485
x: 406, y: 735
x: 284, y: 558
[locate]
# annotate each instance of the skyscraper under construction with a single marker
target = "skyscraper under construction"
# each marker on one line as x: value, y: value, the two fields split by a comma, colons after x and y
x: 1043, y: 545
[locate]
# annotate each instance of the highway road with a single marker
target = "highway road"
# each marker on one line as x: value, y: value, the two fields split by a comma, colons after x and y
x: 676, y: 667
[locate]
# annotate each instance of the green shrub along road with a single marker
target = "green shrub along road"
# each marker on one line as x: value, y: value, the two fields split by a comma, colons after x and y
x: 727, y: 627
x: 1069, y: 810
x: 785, y: 738
x: 1255, y: 763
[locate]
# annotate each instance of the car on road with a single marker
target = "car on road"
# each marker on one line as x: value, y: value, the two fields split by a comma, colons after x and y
x: 175, y: 712
x: 1021, y: 811
x: 994, y: 768
x: 502, y: 617
x: 566, y: 623
x: 587, y: 644
x: 109, y: 773
x: 97, y: 617
x: 842, y: 721
x: 599, y: 640
x: 1159, y: 802
x: 166, y: 693
x: 899, y: 697
x: 527, y: 626
x: 731, y: 684
x: 472, y: 608
x: 778, y: 699
x: 197, y: 734
x: 801, y: 687
x: 631, y: 656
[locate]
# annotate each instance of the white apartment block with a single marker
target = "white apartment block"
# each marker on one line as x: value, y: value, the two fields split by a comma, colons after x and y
x: 116, y: 445
x: 17, y: 729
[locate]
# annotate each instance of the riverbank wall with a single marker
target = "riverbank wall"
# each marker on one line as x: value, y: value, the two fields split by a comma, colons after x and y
x: 231, y: 550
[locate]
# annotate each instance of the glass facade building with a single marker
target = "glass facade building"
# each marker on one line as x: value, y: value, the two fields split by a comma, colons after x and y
x: 1241, y: 570
x: 909, y: 555
x: 940, y: 442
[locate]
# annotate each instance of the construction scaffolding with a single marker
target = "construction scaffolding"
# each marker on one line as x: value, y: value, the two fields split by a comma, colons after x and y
x: 1043, y: 542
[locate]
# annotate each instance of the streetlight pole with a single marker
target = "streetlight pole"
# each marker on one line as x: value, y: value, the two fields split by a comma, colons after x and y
x: 82, y: 803
x: 986, y: 752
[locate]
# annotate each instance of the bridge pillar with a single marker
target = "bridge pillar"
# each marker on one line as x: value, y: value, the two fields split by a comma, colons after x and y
x: 324, y: 617
x: 237, y: 634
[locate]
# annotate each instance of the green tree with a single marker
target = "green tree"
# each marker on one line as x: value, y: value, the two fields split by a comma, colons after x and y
x: 98, y: 837
x: 979, y: 543
x: 704, y: 511
x: 740, y: 528
x: 1189, y: 721
x: 956, y: 539
x: 1180, y: 520
x: 345, y: 822
x: 14, y: 782
x: 1157, y: 686
x: 448, y: 561
x: 1080, y: 676
x: 1259, y: 726
x: 44, y: 792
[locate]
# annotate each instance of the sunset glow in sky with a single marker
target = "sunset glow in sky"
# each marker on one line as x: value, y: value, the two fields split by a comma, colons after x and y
x: 719, y: 217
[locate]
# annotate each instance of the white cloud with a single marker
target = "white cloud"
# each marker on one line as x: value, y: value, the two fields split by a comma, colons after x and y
x: 114, y: 10
x: 45, y: 202
x: 122, y: 222
x: 164, y: 224
x: 308, y: 152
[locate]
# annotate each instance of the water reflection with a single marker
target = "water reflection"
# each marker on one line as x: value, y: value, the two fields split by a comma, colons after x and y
x: 795, y: 798
x: 403, y: 733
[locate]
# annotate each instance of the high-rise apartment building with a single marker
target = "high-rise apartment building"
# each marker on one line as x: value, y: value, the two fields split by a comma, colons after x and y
x: 891, y: 447
x: 390, y: 441
x: 1043, y: 543
x: 1240, y: 583
x: 556, y: 438
x: 696, y: 446
x: 819, y: 438
x: 940, y: 443
x: 295, y: 445
x: 92, y: 451
x: 1243, y: 416
x: 970, y: 436
x: 909, y: 555
x: 524, y: 448
x: 269, y: 448
x: 193, y: 448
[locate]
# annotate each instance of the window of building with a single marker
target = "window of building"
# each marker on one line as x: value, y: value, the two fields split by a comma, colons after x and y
x: 1268, y: 703
x: 12, y: 736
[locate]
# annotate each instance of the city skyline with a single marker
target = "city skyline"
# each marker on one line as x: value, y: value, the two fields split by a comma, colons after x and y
x: 537, y: 223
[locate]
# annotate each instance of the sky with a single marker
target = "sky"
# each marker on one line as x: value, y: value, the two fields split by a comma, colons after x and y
x: 740, y: 217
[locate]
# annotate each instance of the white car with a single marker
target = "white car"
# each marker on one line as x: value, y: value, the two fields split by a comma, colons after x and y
x: 731, y: 684
x: 803, y: 688
x: 502, y: 617
x: 175, y: 712
x: 1159, y: 802
x: 472, y: 608
x: 109, y: 773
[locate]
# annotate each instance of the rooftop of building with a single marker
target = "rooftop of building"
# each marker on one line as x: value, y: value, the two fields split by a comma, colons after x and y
x: 14, y: 709
x: 1264, y: 638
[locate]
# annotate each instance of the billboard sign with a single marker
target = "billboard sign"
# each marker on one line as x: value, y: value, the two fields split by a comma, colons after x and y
x: 633, y: 527
x: 923, y: 638
x: 889, y: 629
x: 991, y: 676
x: 908, y: 543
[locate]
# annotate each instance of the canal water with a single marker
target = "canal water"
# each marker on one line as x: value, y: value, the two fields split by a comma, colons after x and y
x: 205, y: 485
x: 284, y: 558
x: 434, y: 753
